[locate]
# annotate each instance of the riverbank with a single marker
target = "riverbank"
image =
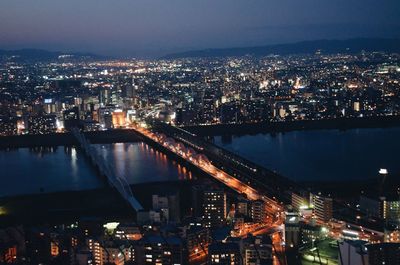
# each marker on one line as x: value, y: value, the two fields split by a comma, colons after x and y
x: 351, y: 189
x: 286, y: 126
x: 62, y: 207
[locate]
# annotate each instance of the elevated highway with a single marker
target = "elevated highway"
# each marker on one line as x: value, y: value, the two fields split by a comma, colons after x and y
x: 272, y: 184
x: 194, y: 154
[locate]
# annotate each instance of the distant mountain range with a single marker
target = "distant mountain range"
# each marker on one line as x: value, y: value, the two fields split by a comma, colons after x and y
x: 42, y: 55
x: 304, y: 47
x: 350, y: 46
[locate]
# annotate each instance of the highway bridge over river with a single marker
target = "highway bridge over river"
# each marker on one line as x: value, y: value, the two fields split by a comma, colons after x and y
x: 272, y: 184
x: 194, y: 153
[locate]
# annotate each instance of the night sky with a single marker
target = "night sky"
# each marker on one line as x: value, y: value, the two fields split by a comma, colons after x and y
x: 157, y: 27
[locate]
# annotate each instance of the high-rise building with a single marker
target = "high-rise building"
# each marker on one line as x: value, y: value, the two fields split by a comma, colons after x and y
x: 209, y: 112
x: 96, y: 250
x: 371, y: 206
x: 391, y: 210
x: 387, y: 208
x: 104, y: 96
x: 71, y: 118
x: 299, y: 201
x: 258, y: 211
x: 292, y: 230
x: 105, y: 117
x: 198, y: 200
x: 214, y: 205
x: 230, y: 112
x: 322, y: 207
x: 118, y: 118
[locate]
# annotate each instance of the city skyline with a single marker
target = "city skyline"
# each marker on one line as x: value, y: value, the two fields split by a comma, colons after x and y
x: 177, y: 132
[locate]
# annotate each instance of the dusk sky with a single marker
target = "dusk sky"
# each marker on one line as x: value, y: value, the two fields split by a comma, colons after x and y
x: 157, y: 27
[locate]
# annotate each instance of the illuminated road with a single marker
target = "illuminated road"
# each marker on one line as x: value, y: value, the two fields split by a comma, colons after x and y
x: 274, y: 210
x: 202, y: 163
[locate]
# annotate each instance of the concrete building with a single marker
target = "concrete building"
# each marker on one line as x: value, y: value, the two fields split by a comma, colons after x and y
x: 224, y: 253
x: 168, y: 206
x: 257, y: 250
x: 156, y: 249
x: 128, y: 232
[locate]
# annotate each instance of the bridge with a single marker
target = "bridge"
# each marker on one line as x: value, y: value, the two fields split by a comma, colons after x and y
x: 254, y: 179
x: 274, y: 185
x: 106, y: 169
x: 194, y: 154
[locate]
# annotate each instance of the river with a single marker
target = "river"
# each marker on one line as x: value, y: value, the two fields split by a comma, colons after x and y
x: 322, y: 155
x: 44, y: 170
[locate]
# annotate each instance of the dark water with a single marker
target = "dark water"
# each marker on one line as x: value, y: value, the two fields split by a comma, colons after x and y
x: 302, y: 155
x: 28, y: 171
x: 139, y: 163
x: 323, y: 154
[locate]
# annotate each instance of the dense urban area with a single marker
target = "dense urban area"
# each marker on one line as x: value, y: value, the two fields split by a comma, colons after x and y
x: 237, y: 212
x: 46, y: 97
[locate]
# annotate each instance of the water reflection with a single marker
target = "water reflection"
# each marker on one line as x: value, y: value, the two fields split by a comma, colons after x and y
x: 324, y: 154
x: 140, y: 163
x: 51, y: 169
x: 45, y: 169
